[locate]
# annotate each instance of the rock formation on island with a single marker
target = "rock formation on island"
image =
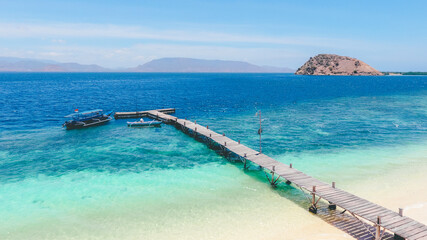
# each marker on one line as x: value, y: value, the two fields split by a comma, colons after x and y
x: 331, y: 64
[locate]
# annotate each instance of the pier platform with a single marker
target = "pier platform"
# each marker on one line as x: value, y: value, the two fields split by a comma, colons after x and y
x: 140, y: 114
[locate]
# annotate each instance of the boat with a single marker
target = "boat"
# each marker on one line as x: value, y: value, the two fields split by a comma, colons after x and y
x: 87, y: 119
x: 142, y: 123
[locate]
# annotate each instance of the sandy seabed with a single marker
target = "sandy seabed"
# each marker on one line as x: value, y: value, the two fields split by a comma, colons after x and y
x: 211, y: 202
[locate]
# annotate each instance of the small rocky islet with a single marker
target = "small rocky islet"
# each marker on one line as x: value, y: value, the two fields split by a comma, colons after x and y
x: 331, y: 64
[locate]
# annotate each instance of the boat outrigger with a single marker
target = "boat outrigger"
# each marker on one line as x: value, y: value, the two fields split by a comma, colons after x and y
x: 142, y: 123
x: 87, y: 119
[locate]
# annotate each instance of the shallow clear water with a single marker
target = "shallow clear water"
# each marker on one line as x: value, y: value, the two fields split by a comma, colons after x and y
x: 111, y: 181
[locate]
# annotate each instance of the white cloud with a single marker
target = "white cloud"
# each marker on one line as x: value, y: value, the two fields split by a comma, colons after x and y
x: 142, y: 53
x: 60, y: 41
x: 30, y: 30
x: 64, y: 39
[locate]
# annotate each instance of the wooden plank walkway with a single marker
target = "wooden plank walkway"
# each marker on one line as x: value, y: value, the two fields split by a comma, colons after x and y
x: 120, y: 115
x: 382, y: 218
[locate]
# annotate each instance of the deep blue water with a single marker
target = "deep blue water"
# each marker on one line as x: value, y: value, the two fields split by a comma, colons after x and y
x: 37, y: 100
x: 301, y: 114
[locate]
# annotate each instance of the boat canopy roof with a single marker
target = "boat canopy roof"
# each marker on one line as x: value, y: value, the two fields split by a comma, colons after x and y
x: 85, y: 113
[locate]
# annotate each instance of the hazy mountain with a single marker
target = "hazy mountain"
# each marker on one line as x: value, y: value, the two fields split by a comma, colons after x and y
x: 9, y: 64
x: 201, y: 65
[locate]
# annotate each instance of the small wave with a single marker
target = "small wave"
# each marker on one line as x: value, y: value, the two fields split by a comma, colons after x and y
x: 252, y: 189
x: 320, y: 132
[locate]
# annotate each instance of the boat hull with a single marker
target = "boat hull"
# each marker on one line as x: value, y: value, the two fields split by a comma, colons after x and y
x: 144, y: 124
x: 86, y: 124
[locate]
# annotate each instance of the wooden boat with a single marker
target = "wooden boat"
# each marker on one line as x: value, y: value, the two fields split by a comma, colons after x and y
x: 142, y: 123
x: 87, y: 119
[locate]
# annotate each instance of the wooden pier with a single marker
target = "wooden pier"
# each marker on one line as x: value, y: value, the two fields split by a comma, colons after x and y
x: 120, y: 115
x: 383, y: 219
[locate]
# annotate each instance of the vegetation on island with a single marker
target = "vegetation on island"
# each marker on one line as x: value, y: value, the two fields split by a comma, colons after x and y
x: 405, y: 73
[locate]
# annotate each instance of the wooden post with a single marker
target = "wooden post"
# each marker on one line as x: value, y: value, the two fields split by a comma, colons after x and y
x: 313, y: 207
x: 313, y: 201
x: 332, y: 206
x: 272, y: 179
x: 314, y: 196
x: 378, y: 229
x: 401, y: 212
x: 260, y: 132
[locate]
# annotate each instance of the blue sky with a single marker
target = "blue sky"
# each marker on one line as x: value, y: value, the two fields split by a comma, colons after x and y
x: 389, y: 35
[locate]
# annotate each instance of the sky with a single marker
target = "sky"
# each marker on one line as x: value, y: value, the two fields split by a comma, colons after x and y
x: 388, y: 35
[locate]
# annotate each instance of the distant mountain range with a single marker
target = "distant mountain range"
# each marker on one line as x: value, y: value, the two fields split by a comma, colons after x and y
x: 200, y: 65
x: 10, y: 64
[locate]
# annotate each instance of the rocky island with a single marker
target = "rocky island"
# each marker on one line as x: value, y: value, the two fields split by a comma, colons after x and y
x: 331, y: 64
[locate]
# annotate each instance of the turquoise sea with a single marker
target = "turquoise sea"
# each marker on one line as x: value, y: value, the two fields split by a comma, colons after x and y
x: 366, y: 133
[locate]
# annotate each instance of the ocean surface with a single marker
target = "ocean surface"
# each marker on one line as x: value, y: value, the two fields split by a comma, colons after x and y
x: 367, y: 133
